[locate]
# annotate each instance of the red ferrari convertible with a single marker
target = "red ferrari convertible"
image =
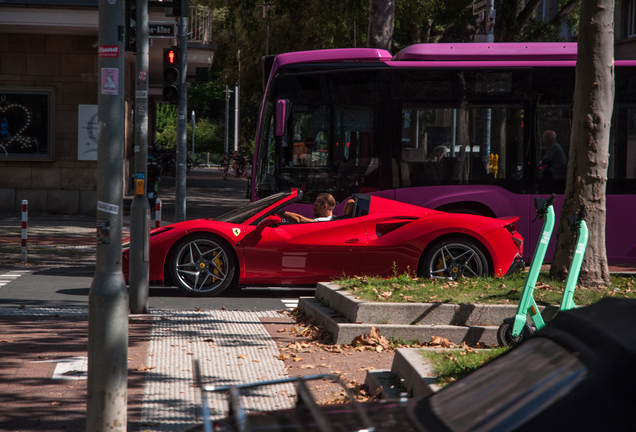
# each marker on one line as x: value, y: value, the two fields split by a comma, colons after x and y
x: 251, y: 246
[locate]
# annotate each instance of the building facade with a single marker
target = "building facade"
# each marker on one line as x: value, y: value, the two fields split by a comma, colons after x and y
x: 48, y: 101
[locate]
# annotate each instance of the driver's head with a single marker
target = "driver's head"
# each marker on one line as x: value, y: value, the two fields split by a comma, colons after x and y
x: 324, y: 205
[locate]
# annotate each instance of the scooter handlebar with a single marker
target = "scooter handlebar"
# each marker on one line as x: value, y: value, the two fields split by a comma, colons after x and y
x: 575, y: 221
x: 541, y: 204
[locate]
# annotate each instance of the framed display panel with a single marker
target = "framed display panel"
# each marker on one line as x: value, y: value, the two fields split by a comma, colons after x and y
x: 27, y: 123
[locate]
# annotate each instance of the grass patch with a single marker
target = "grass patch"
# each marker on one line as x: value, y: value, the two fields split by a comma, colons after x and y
x: 506, y: 290
x: 451, y: 365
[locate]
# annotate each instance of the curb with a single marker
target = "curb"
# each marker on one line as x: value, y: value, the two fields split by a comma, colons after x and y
x: 413, y: 371
x: 344, y: 333
x: 361, y: 311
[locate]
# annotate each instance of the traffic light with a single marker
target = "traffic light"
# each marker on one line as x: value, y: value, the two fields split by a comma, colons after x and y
x: 131, y: 26
x: 181, y: 8
x: 171, y: 77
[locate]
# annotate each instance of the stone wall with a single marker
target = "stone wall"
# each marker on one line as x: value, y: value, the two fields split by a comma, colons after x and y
x: 68, y: 64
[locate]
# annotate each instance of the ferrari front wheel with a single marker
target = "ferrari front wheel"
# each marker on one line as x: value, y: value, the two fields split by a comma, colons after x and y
x: 453, y: 258
x: 202, y: 265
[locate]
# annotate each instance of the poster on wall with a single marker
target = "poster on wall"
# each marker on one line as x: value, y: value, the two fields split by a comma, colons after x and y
x: 87, y: 132
x: 26, y: 123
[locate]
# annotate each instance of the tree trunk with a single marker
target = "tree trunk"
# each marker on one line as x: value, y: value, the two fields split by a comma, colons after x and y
x: 589, y: 143
x: 381, y: 14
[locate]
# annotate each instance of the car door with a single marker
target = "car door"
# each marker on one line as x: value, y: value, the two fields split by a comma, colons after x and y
x: 305, y: 253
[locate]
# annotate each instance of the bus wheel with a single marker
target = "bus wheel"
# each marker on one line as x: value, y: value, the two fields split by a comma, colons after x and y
x: 453, y: 258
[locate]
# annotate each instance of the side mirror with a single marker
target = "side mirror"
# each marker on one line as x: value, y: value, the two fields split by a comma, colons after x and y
x: 283, y: 109
x: 267, y: 222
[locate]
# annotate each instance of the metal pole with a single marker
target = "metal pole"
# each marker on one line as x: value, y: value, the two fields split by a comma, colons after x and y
x: 139, y: 209
x: 108, y: 298
x: 236, y: 118
x: 227, y: 127
x: 192, y: 120
x: 182, y: 124
x: 267, y: 33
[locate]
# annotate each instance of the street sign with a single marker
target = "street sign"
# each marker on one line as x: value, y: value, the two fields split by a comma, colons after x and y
x: 161, y: 30
x: 479, y: 6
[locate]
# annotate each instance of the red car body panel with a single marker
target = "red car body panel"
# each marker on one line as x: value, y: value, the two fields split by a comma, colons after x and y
x: 393, y: 236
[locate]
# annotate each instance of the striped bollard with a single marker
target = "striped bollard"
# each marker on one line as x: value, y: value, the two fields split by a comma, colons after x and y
x: 158, y: 213
x: 25, y: 219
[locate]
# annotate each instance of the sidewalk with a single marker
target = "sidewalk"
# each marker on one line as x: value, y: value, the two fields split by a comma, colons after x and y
x: 233, y: 347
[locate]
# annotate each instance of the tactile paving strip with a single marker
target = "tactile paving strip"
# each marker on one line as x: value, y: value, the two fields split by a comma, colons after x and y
x: 233, y: 347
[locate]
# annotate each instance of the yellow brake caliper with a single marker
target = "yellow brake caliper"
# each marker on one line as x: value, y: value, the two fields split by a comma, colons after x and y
x: 219, y: 264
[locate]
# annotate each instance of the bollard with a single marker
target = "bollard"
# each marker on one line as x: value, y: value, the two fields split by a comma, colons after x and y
x: 158, y: 213
x: 25, y: 219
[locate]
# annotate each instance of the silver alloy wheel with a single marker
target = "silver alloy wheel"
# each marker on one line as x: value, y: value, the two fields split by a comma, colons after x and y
x: 454, y: 260
x: 201, y: 265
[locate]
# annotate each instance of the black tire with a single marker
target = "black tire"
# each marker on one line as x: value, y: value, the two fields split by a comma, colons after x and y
x: 453, y: 258
x: 169, y: 168
x: 202, y: 265
x: 504, y: 334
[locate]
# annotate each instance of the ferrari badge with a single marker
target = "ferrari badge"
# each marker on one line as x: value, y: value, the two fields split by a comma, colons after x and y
x: 236, y: 231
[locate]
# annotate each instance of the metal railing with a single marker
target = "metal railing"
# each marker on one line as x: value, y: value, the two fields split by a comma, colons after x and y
x: 200, y: 25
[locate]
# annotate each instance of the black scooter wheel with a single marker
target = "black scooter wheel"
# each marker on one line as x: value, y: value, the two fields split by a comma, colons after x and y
x: 504, y: 334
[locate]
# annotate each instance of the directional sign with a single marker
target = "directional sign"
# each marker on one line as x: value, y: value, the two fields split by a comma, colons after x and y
x: 161, y: 30
x: 479, y: 6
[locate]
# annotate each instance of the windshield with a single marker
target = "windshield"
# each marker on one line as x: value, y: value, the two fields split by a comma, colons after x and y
x: 242, y: 214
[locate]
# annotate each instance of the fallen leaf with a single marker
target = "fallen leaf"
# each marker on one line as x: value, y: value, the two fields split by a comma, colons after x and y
x: 282, y: 357
x: 208, y: 340
x: 297, y: 359
x: 56, y: 403
x: 256, y: 361
x: 222, y: 307
x: 440, y: 341
x: 281, y: 330
x: 309, y: 366
x: 145, y: 368
x: 197, y: 309
x: 242, y: 356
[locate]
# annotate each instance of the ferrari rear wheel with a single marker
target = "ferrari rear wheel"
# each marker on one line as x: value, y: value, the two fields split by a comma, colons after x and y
x: 453, y: 258
x: 202, y: 265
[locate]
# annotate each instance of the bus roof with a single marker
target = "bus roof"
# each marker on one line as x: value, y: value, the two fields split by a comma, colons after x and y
x: 333, y: 55
x: 501, y: 51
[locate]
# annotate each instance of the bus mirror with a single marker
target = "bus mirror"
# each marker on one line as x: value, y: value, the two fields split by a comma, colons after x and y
x: 283, y: 109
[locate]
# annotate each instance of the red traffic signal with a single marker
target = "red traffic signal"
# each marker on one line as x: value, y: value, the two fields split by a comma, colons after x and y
x: 170, y: 56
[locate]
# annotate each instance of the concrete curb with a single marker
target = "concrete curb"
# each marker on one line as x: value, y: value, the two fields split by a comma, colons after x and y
x: 360, y: 311
x: 344, y: 333
x: 410, y: 366
x: 411, y: 369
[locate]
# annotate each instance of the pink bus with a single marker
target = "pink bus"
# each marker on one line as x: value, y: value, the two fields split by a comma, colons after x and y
x: 452, y: 127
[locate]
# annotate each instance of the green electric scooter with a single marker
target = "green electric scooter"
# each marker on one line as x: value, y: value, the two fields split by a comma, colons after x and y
x: 514, y: 330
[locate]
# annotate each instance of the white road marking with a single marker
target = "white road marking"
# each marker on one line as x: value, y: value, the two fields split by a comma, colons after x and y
x: 72, y: 368
x: 8, y: 277
x: 290, y: 303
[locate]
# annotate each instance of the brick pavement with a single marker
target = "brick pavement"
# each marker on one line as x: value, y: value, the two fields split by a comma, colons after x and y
x: 30, y: 400
x: 351, y: 365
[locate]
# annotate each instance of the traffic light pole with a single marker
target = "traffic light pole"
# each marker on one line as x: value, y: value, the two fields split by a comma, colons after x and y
x: 182, y: 123
x: 140, y: 208
x: 107, y: 297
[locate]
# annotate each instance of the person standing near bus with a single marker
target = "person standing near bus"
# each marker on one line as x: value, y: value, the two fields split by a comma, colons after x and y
x: 555, y: 154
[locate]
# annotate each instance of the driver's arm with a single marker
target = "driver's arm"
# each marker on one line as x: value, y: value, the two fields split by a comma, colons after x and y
x: 293, y: 217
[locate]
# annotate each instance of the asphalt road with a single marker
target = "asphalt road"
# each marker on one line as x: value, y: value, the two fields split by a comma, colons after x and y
x: 207, y: 195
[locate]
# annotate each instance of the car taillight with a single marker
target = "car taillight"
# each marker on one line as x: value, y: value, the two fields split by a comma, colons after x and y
x: 512, y: 227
